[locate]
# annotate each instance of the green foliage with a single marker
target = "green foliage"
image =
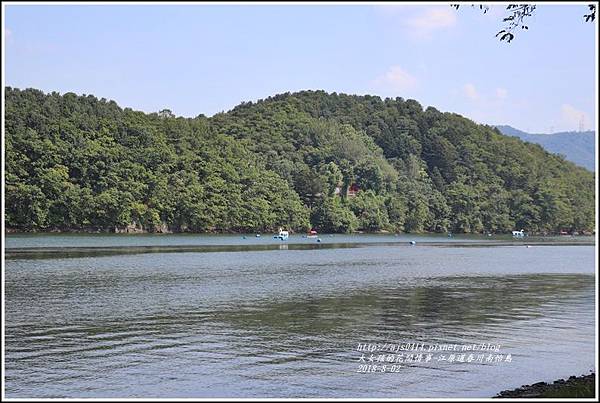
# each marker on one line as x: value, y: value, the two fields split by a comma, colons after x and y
x: 77, y: 162
x: 83, y: 163
x: 396, y: 210
x: 333, y: 176
x: 369, y: 177
x: 331, y: 214
x: 371, y: 211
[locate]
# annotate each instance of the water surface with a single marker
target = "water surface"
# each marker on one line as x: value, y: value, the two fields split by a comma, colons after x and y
x: 287, y: 323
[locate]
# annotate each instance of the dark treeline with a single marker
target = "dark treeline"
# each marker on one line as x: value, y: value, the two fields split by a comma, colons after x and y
x: 310, y: 159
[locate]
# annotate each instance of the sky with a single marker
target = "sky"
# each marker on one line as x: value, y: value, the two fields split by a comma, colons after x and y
x: 203, y: 59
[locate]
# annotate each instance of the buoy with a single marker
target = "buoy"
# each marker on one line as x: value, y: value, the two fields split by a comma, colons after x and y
x: 412, y: 242
x: 258, y: 235
x: 318, y: 239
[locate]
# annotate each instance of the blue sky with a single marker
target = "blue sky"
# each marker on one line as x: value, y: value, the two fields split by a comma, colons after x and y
x: 205, y: 59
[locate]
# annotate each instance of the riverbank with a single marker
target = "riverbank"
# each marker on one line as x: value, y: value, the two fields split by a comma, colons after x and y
x: 62, y: 252
x: 583, y: 386
x: 164, y: 230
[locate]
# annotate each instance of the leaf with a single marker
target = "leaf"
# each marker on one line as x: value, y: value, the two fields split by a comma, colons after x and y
x: 507, y: 37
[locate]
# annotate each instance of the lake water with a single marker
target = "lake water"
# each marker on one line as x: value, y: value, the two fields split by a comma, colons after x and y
x: 248, y: 322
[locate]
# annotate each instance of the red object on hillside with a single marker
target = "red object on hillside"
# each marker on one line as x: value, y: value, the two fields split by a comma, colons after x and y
x: 353, y: 189
x: 313, y: 231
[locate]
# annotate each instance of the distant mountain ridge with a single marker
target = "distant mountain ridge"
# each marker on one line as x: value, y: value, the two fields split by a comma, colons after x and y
x: 577, y: 147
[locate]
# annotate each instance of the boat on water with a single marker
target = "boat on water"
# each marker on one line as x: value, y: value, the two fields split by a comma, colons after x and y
x: 312, y: 234
x: 282, y: 235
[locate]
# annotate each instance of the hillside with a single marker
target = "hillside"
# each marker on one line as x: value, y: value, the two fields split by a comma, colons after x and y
x: 333, y: 161
x: 577, y: 147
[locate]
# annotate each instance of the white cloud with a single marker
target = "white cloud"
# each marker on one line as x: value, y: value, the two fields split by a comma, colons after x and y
x: 501, y: 93
x: 396, y: 80
x: 571, y: 116
x: 417, y: 21
x: 471, y: 92
x: 431, y: 20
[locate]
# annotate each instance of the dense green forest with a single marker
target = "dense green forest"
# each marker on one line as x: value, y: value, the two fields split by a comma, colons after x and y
x: 335, y: 162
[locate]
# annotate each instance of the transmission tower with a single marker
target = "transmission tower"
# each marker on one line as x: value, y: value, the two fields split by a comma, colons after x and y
x: 581, y: 123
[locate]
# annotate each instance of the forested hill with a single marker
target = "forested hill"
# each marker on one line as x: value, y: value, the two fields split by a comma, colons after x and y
x: 577, y: 147
x: 309, y: 159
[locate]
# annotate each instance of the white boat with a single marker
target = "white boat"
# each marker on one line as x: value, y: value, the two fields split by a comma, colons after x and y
x: 282, y: 235
x: 518, y: 234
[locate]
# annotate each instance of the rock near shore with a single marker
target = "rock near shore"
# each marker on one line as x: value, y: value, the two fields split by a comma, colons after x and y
x: 576, y: 386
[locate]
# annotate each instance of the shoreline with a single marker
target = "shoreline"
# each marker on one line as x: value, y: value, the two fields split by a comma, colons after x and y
x: 109, y: 231
x: 79, y: 251
x: 582, y: 386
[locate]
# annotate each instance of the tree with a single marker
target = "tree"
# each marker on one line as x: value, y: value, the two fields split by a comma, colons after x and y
x: 517, y: 16
x: 396, y: 211
x: 333, y: 177
x: 370, y: 210
x: 80, y: 163
x: 369, y: 176
x: 332, y: 215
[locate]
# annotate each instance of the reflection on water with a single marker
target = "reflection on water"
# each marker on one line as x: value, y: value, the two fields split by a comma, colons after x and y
x: 287, y: 323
